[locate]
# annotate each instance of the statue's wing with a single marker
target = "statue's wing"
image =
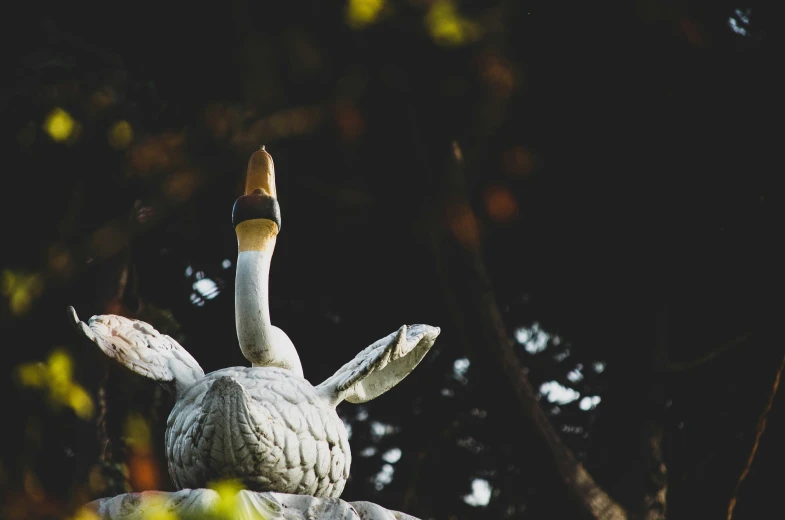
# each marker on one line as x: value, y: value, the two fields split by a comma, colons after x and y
x: 380, y: 366
x: 138, y: 346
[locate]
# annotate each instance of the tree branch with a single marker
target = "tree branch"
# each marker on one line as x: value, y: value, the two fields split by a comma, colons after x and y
x: 758, y: 434
x: 711, y: 356
x: 481, y: 307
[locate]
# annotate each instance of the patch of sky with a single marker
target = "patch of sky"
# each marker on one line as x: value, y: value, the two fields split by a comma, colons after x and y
x: 384, y: 477
x: 740, y: 20
x: 392, y: 455
x: 370, y: 451
x: 589, y: 402
x: 459, y: 369
x: 575, y: 374
x: 481, y: 493
x: 556, y: 393
x: 380, y: 429
x: 533, y: 338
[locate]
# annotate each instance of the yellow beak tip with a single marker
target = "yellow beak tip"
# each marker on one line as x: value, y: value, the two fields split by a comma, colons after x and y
x: 261, y: 174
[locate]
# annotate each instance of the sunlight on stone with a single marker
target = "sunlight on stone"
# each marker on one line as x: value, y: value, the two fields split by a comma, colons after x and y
x: 556, y: 393
x: 533, y: 339
x: 481, y: 493
x: 384, y: 477
x: 589, y: 402
x: 392, y: 455
x: 575, y: 374
x: 598, y: 367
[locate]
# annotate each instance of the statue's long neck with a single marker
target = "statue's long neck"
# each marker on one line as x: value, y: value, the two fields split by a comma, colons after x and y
x: 261, y: 343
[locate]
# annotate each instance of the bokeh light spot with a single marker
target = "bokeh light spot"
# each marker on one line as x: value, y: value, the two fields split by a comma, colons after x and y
x: 56, y: 376
x: 361, y: 13
x: 59, y: 125
x: 500, y: 204
x: 464, y: 225
x: 518, y: 161
x: 20, y: 289
x: 447, y: 27
x: 120, y: 135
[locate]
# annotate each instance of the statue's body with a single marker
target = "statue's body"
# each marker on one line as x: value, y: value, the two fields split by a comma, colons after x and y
x: 263, y: 425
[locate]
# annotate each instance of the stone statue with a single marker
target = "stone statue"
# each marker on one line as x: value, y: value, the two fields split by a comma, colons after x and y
x: 265, y: 425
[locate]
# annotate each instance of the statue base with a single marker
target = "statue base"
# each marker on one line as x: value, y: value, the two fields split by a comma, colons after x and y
x: 245, y: 505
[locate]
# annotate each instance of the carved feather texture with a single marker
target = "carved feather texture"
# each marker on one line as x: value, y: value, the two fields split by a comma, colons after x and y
x: 380, y: 366
x: 265, y: 426
x: 262, y: 425
x: 139, y: 347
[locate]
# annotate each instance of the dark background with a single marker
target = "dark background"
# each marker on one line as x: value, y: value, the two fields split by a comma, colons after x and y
x: 622, y: 160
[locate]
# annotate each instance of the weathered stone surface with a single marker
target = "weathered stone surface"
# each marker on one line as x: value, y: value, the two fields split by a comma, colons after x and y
x: 246, y: 505
x: 267, y: 427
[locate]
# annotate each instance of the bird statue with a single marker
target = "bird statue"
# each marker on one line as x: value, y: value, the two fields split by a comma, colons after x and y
x: 264, y: 425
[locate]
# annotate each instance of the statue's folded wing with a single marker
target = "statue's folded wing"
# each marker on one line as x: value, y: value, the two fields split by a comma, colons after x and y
x: 380, y: 366
x: 139, y: 347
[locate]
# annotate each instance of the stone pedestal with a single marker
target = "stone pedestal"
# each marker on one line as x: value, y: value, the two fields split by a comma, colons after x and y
x: 244, y: 505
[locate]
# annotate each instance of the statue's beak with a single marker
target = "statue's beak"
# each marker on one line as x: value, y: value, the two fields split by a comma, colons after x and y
x: 256, y: 215
x: 261, y: 174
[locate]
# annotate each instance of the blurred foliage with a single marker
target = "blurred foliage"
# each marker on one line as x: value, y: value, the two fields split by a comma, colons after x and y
x: 618, y: 159
x: 55, y: 376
